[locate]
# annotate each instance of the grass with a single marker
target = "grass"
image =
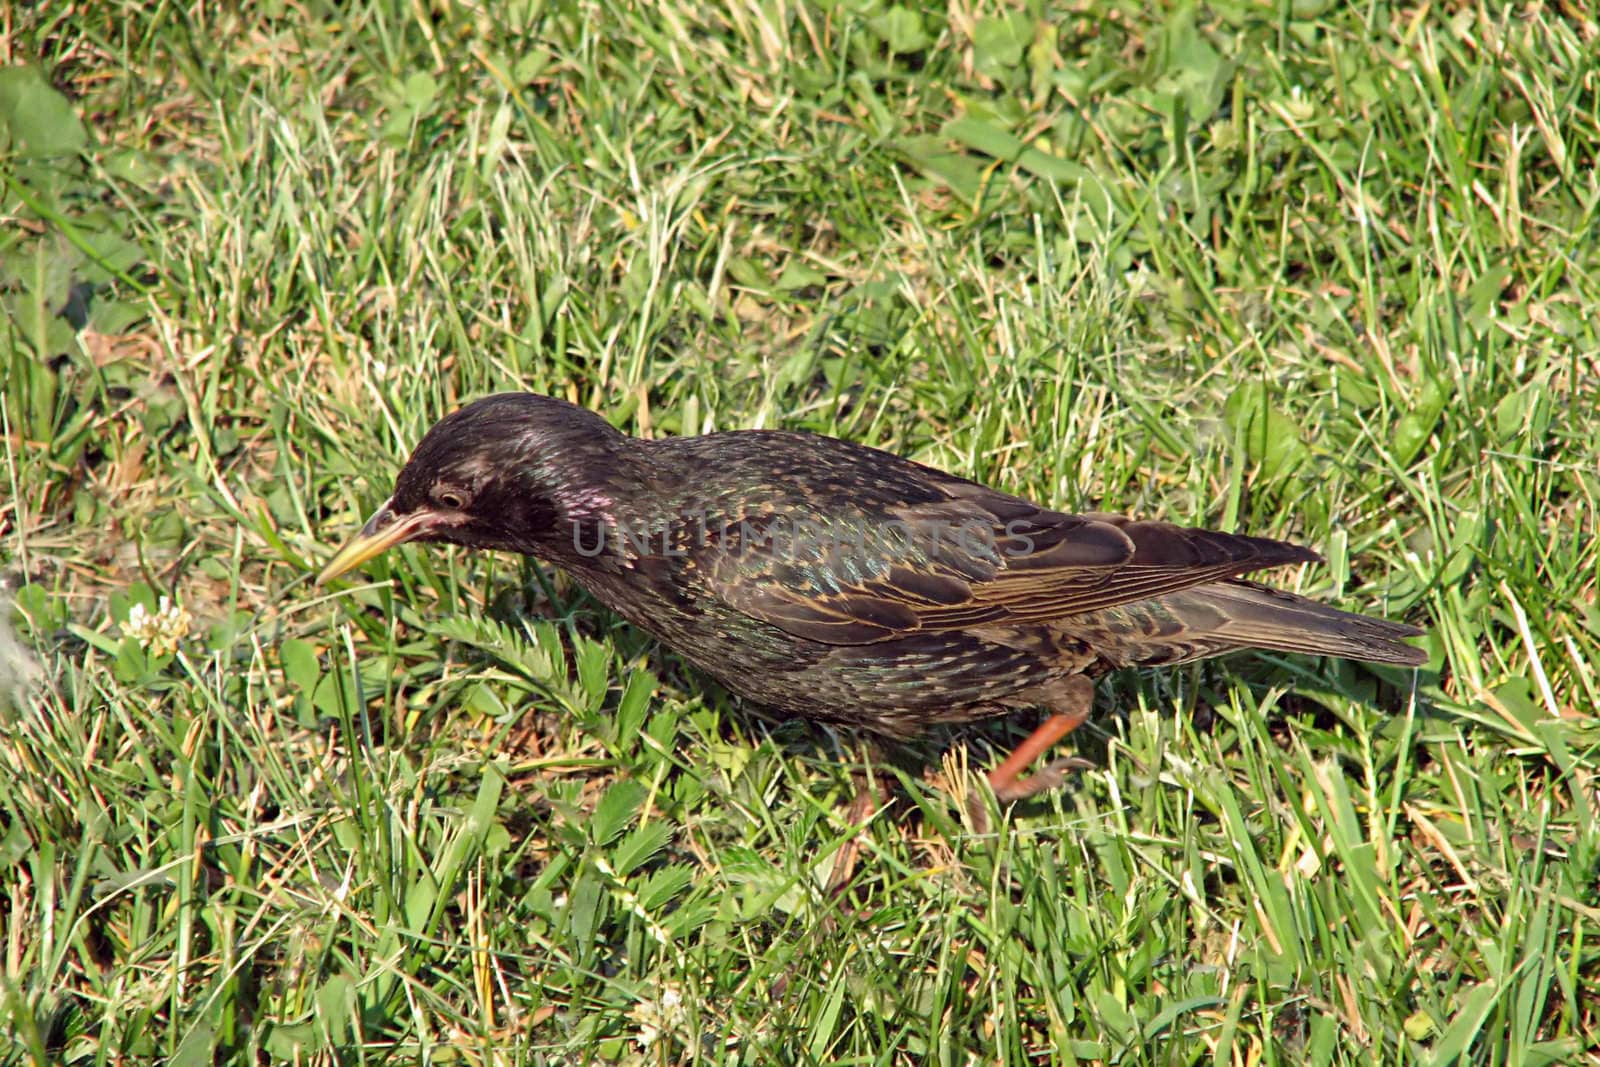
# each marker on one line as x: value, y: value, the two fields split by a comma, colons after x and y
x: 1312, y: 271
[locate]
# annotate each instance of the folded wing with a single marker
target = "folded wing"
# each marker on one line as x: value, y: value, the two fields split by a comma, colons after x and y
x: 969, y: 557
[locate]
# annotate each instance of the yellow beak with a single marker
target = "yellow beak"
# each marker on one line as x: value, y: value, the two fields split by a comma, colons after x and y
x: 382, y: 532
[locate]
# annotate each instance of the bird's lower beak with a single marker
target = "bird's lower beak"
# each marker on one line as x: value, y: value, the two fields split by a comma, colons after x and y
x: 382, y: 532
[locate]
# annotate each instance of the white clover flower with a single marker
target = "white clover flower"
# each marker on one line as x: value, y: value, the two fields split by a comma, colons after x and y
x: 1299, y: 107
x: 658, y: 1017
x: 158, y: 633
x: 19, y: 670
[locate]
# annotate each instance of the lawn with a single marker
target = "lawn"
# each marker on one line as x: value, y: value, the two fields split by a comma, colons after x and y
x: 1312, y: 271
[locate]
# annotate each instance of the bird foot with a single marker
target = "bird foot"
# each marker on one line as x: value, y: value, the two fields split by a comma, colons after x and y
x: 1071, y: 701
x: 1051, y: 776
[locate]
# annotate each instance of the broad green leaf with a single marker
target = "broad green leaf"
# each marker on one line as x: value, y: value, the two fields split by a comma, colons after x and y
x: 37, y: 121
x: 1271, y: 439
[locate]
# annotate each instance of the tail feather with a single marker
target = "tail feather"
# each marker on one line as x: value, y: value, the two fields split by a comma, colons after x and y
x: 1242, y: 614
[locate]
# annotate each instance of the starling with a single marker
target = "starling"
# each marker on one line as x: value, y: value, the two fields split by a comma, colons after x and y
x: 839, y: 583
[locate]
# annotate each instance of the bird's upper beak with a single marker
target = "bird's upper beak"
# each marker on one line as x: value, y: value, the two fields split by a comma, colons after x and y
x: 382, y: 532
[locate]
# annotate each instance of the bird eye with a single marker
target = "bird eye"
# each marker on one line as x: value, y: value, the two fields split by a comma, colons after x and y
x: 454, y: 499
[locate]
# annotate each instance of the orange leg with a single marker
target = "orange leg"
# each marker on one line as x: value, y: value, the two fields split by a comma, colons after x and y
x: 844, y: 864
x: 1071, y: 707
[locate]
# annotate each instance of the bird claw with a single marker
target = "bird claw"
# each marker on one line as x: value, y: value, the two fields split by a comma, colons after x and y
x: 1049, y: 777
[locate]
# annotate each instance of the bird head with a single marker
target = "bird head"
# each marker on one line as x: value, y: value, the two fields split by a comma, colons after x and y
x: 511, y: 471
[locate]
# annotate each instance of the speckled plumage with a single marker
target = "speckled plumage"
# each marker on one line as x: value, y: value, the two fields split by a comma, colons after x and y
x: 837, y: 582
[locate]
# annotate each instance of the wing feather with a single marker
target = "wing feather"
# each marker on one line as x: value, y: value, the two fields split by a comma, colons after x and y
x: 879, y: 566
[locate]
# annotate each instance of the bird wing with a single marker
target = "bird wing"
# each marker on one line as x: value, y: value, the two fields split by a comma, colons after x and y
x: 869, y: 569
